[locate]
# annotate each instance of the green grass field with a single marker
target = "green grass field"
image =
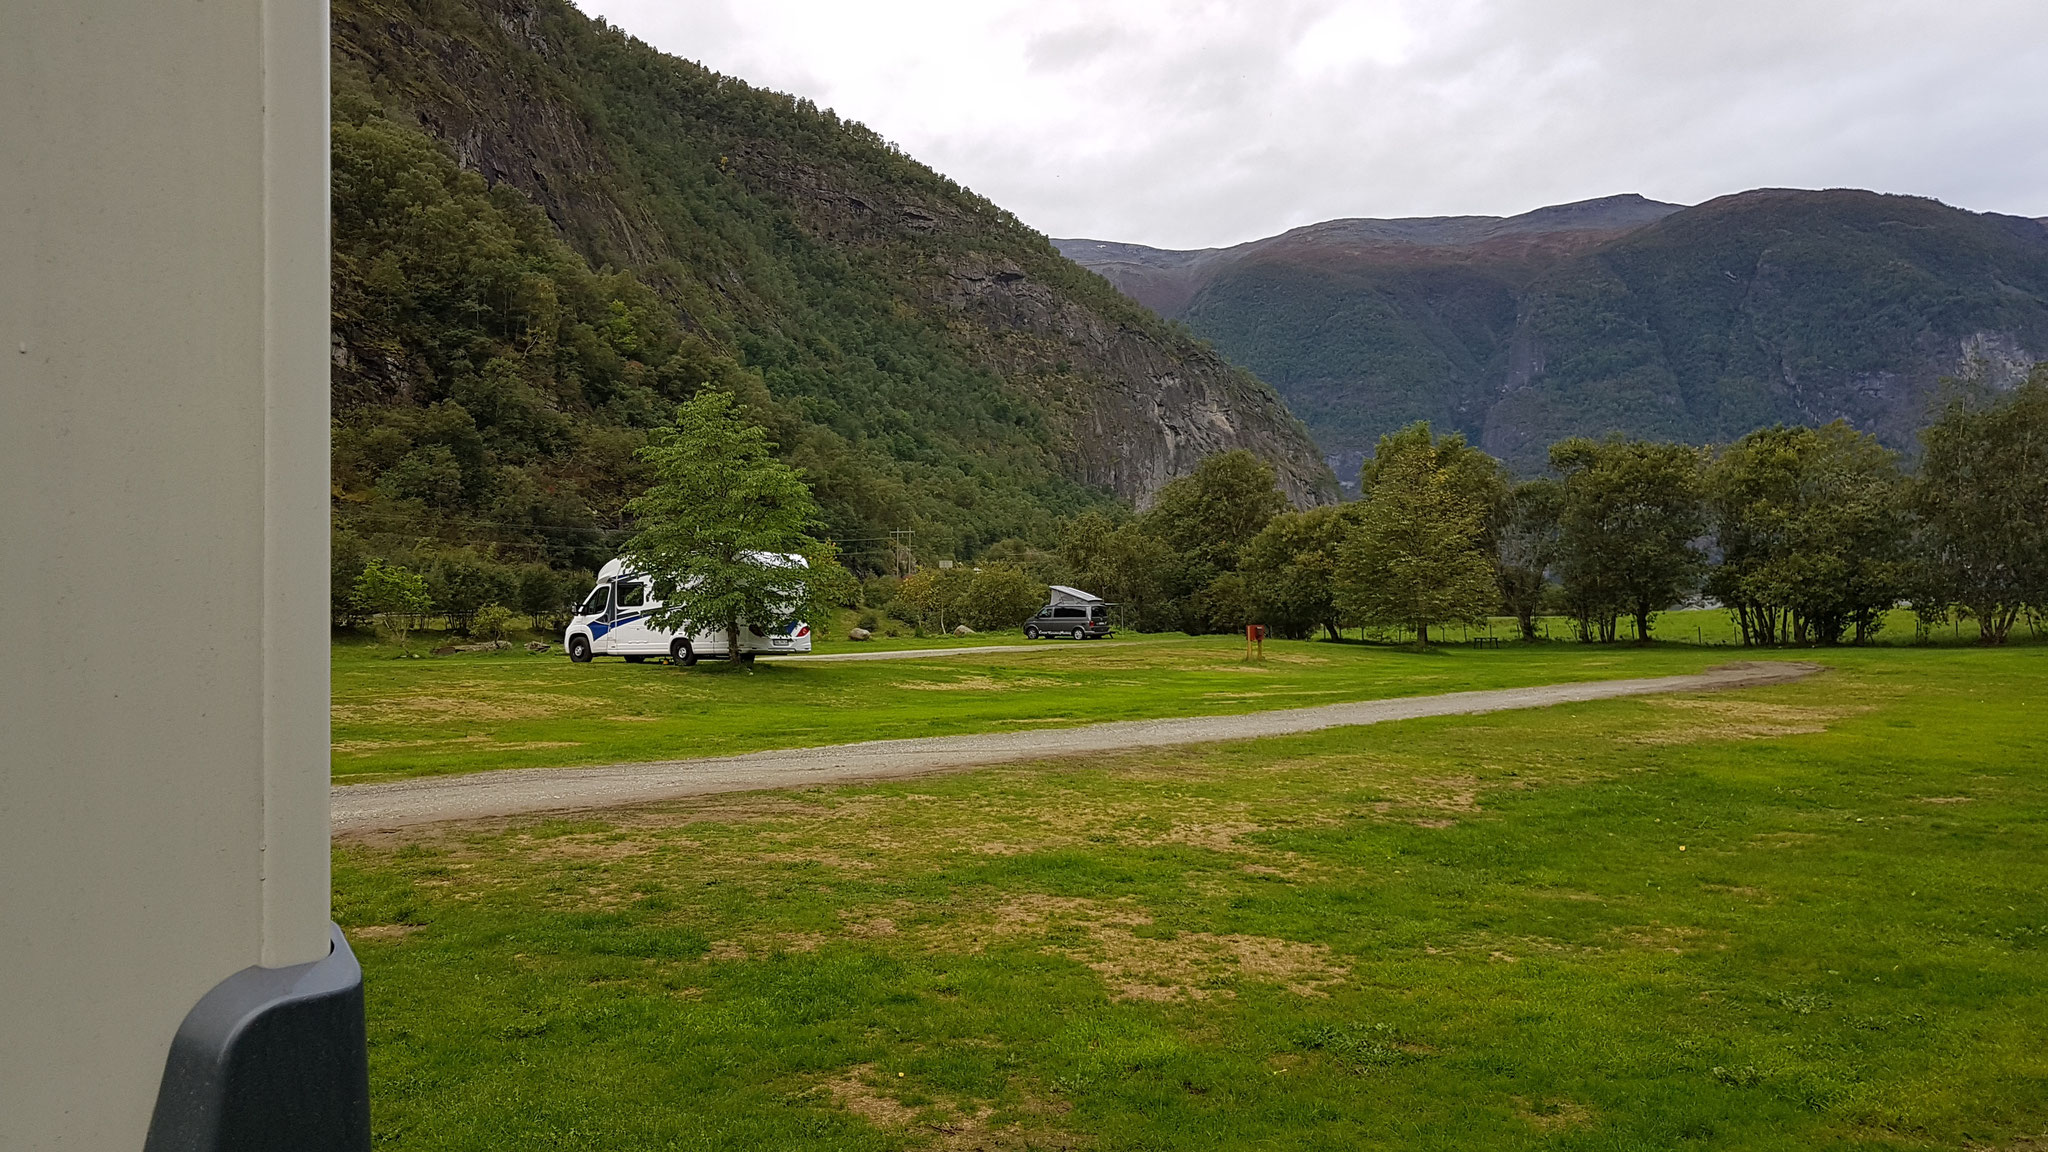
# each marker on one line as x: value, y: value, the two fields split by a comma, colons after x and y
x: 467, y: 712
x: 1807, y: 916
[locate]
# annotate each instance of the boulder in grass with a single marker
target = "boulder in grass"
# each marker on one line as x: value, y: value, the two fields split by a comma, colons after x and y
x: 962, y: 630
x: 537, y: 646
x: 860, y: 634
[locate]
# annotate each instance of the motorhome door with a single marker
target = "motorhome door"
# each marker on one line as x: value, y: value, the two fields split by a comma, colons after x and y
x: 629, y: 632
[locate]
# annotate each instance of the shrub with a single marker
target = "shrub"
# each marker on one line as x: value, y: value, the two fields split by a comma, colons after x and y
x: 999, y: 596
x: 395, y: 594
x: 491, y: 622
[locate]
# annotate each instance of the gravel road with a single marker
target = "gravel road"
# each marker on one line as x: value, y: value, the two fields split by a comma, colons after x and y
x: 365, y: 808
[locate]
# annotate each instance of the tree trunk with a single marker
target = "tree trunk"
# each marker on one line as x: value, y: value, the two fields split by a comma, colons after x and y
x: 732, y: 642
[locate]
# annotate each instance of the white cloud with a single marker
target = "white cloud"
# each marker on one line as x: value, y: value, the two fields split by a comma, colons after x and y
x: 1205, y: 122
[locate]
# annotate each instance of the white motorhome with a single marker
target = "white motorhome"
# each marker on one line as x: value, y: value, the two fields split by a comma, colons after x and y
x: 616, y: 620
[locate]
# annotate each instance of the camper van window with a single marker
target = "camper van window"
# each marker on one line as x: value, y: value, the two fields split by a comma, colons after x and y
x: 1069, y: 613
x: 1099, y: 612
x: 632, y: 595
x: 599, y: 599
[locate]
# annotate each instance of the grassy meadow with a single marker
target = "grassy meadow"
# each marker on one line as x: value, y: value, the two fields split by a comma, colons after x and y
x: 1799, y: 917
x: 513, y: 709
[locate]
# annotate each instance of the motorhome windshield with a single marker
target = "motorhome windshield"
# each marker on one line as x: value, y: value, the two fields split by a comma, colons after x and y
x: 599, y: 599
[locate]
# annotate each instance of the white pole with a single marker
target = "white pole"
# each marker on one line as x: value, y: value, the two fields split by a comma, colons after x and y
x: 163, y: 507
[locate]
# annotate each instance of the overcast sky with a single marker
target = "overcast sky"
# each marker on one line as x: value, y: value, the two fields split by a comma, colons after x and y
x: 1207, y: 123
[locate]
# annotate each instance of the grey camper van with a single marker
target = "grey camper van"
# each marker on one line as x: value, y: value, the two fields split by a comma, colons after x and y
x: 1072, y: 613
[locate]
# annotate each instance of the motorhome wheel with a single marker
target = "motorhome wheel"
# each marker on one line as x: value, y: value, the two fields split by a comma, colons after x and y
x: 579, y: 649
x: 683, y: 654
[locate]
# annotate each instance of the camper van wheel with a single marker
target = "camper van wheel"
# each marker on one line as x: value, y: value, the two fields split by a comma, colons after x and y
x: 1080, y: 634
x: 1030, y: 633
x: 579, y: 649
x: 683, y: 654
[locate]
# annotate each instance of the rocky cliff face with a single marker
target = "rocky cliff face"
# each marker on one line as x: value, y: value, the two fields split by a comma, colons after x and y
x: 897, y: 314
x: 1620, y: 314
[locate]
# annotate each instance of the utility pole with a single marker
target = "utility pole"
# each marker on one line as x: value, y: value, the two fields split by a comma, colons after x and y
x: 169, y: 977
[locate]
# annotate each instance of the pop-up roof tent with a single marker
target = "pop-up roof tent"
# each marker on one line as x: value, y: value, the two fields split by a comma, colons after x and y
x: 1061, y: 594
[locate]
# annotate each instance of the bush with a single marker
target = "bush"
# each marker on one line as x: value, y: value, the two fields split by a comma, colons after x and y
x: 548, y: 596
x: 461, y: 582
x: 395, y: 594
x: 877, y: 591
x: 347, y: 558
x: 491, y: 622
x: 998, y: 596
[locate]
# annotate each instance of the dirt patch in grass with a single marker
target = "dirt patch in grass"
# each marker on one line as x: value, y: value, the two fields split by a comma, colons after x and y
x: 363, y: 748
x: 1429, y: 802
x: 767, y: 945
x: 585, y: 847
x: 1784, y: 839
x: 975, y: 684
x: 822, y: 859
x: 1702, y: 720
x: 869, y: 929
x: 1136, y: 964
x: 855, y: 1091
x: 1197, y: 965
x: 1553, y: 1115
x: 953, y: 1125
x: 477, y: 701
x: 1215, y: 837
x: 1675, y: 939
x: 383, y: 931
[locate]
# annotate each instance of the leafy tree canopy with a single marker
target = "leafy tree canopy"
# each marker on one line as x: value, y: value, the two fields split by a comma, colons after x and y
x: 1290, y: 570
x: 1811, y: 529
x: 1982, y: 496
x: 1628, y: 525
x: 721, y: 523
x: 1418, y: 558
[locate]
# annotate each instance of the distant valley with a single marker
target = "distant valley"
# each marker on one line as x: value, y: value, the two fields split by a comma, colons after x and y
x: 1619, y: 314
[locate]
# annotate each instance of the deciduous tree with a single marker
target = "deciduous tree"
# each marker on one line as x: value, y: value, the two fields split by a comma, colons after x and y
x: 719, y: 524
x: 1982, y: 500
x: 1418, y: 556
x: 1628, y: 526
x: 395, y: 594
x: 1290, y: 569
x: 1811, y: 530
x: 1122, y: 563
x: 1525, y: 549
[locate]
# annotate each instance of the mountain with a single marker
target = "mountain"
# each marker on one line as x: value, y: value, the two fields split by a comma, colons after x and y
x: 1621, y: 314
x: 546, y: 232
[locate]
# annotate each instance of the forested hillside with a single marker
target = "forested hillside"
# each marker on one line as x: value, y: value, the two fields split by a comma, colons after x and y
x: 547, y: 233
x: 1618, y: 315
